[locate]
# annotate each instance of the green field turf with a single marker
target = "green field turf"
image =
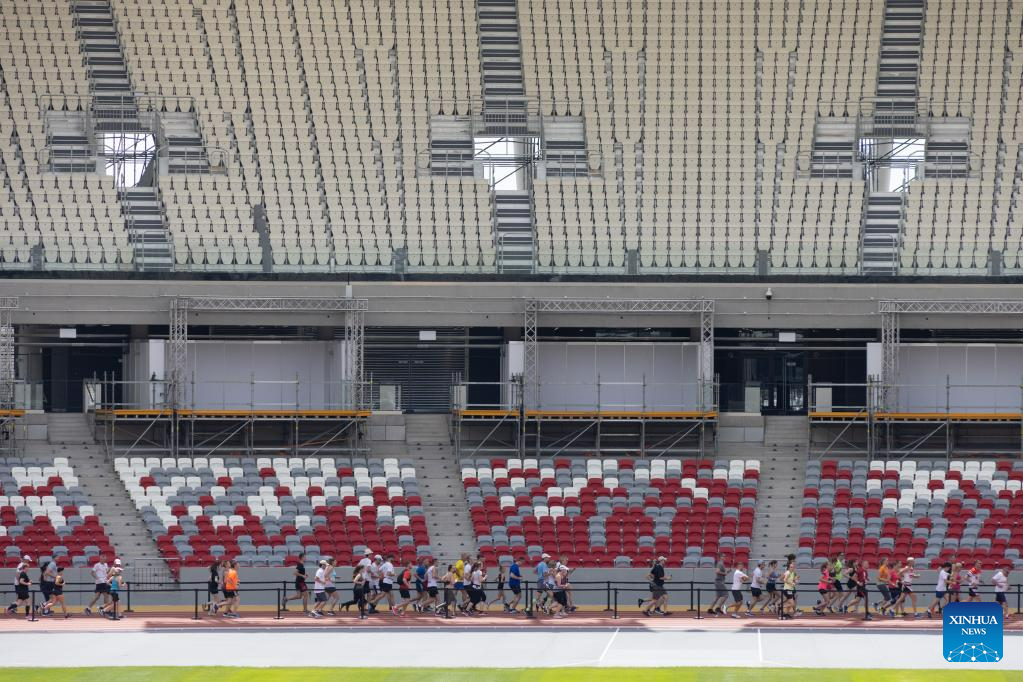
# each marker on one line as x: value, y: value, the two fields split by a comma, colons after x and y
x: 487, y: 674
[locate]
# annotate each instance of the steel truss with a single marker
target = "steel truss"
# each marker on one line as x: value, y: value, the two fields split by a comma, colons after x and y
x: 891, y: 312
x: 355, y: 315
x: 8, y: 305
x: 536, y: 306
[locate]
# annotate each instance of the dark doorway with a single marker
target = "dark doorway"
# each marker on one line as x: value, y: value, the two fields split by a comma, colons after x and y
x: 775, y: 380
x: 66, y: 367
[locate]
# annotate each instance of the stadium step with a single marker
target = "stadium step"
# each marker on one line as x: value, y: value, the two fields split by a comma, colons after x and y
x: 70, y: 428
x: 882, y: 233
x: 513, y: 224
x: 898, y: 69
x: 783, y: 456
x: 429, y: 443
x: 147, y: 232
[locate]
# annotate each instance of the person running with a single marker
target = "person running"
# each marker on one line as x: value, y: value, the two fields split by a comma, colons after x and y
x: 720, y: 591
x: 301, y: 588
x: 461, y: 566
x: 756, y: 588
x: 940, y: 588
x: 420, y: 585
x: 658, y: 600
x: 773, y: 595
x: 231, y: 599
x: 906, y: 576
x: 385, y: 583
x: 330, y: 588
x: 57, y: 594
x: 213, y: 589
x: 502, y: 577
x: 430, y: 583
x: 789, y: 582
x: 824, y: 586
x: 319, y: 590
x: 850, y: 583
x: 100, y: 576
x: 858, y: 587
x: 973, y: 582
x: 738, y: 578
x: 1000, y: 580
x: 478, y: 581
x: 837, y: 576
x: 47, y: 578
x: 358, y: 591
x: 405, y: 577
x: 374, y: 577
x: 543, y: 594
x: 882, y: 584
x: 448, y: 580
x: 895, y: 587
x: 116, y: 582
x: 562, y: 564
x: 22, y: 585
x: 955, y: 582
x: 559, y: 607
x: 515, y: 585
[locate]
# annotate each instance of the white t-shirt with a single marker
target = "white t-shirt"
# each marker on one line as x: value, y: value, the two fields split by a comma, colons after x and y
x: 477, y: 578
x: 320, y: 581
x: 365, y: 563
x: 737, y: 578
x: 431, y: 576
x: 758, y: 578
x: 387, y: 571
x: 100, y: 572
x: 907, y: 577
x: 1000, y: 582
x: 942, y: 581
x: 373, y: 574
x: 972, y: 579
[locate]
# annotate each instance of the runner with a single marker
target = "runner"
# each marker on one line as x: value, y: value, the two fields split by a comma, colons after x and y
x: 789, y: 581
x: 430, y: 582
x: 941, y: 588
x: 421, y: 595
x: 100, y: 574
x: 850, y: 583
x: 448, y: 580
x: 882, y: 584
x: 825, y: 585
x: 543, y: 595
x: 658, y: 595
x: 22, y: 585
x: 907, y: 575
x: 330, y: 588
x: 47, y: 578
x: 405, y: 577
x: 374, y: 575
x: 1001, y: 582
x: 116, y: 583
x: 973, y: 582
x: 57, y: 594
x: 895, y: 587
x: 515, y: 585
x: 955, y: 581
x: 562, y: 564
x: 756, y: 584
x: 720, y: 591
x: 477, y: 581
x: 560, y: 603
x: 858, y: 585
x: 319, y: 590
x: 213, y: 589
x: 773, y: 595
x: 358, y: 591
x: 386, y: 573
x: 502, y: 577
x: 301, y: 588
x: 461, y: 566
x: 837, y: 575
x: 231, y: 599
x: 738, y: 578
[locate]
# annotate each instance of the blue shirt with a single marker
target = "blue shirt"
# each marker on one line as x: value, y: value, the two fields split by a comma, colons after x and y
x: 115, y: 584
x: 541, y: 571
x: 513, y: 575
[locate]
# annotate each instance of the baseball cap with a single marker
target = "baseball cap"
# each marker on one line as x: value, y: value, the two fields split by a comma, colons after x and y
x: 367, y: 551
x: 545, y: 556
x: 117, y: 562
x: 662, y: 558
x: 26, y: 558
x: 377, y: 556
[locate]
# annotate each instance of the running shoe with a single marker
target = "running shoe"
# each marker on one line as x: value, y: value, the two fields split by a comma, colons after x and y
x: 734, y: 615
x: 647, y: 613
x: 749, y: 614
x: 559, y: 615
x: 87, y: 612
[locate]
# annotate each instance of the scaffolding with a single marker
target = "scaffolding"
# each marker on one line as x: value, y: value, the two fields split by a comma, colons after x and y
x: 10, y: 415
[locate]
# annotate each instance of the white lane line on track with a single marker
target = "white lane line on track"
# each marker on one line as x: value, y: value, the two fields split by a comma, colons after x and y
x: 608, y: 646
x: 760, y: 646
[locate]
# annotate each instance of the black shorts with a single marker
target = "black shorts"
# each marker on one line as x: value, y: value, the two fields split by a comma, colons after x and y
x: 861, y: 592
x: 788, y: 594
x: 737, y: 596
x: 115, y: 597
x: 320, y: 597
x: 851, y: 584
x: 46, y: 588
x: 755, y: 591
x: 102, y: 588
x: 405, y: 594
x: 230, y: 594
x: 300, y: 586
x: 516, y: 590
x: 385, y: 587
x: 58, y: 591
x: 213, y: 590
x: 838, y: 585
x: 21, y: 592
x: 561, y: 597
x: 330, y: 590
x: 1000, y: 597
x: 772, y: 588
x: 432, y: 591
x: 886, y: 593
x: 972, y: 591
x: 657, y: 591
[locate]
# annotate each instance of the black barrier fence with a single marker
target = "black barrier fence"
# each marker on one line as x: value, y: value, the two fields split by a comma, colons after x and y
x: 693, y: 596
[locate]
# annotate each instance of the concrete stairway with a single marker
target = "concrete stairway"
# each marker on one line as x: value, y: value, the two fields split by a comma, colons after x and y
x: 99, y: 481
x: 782, y: 469
x: 71, y: 428
x: 428, y: 444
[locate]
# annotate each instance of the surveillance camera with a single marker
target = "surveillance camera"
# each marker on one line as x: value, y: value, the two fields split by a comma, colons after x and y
x: 769, y: 294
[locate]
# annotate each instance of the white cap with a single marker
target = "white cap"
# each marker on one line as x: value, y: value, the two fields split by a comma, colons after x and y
x: 367, y: 551
x: 910, y: 559
x: 117, y: 562
x: 662, y: 558
x: 26, y: 558
x: 545, y: 556
x: 377, y: 556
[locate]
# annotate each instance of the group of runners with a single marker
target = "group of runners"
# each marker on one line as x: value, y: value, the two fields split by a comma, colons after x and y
x: 108, y: 583
x: 843, y: 587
